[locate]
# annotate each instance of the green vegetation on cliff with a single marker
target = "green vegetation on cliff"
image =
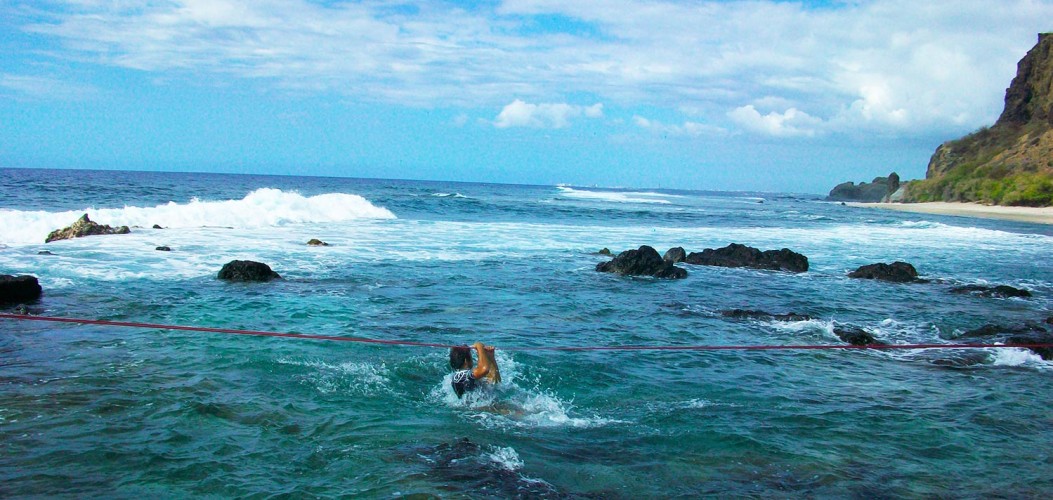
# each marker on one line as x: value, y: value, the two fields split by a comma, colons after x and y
x: 1009, y: 163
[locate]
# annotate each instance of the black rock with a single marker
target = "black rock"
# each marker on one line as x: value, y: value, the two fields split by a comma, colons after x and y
x: 644, y: 261
x: 463, y: 468
x: 854, y: 335
x: 44, y: 252
x: 674, y: 255
x: 763, y: 316
x: 1027, y: 333
x: 158, y: 226
x: 1035, y: 338
x: 989, y: 331
x: 15, y: 289
x: 605, y: 251
x: 897, y: 272
x: 247, y: 270
x: 163, y: 249
x: 1000, y: 291
x: 737, y: 255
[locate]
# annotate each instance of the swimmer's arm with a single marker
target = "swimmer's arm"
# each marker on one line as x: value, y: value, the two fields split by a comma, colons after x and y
x: 487, y: 366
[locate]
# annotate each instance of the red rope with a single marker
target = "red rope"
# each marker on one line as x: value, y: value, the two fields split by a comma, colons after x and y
x: 364, y: 340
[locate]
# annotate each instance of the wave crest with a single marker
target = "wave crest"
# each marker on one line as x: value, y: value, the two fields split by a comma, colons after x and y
x: 261, y: 208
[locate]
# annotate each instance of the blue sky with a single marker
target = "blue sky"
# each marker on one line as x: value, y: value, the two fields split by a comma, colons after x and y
x: 726, y: 95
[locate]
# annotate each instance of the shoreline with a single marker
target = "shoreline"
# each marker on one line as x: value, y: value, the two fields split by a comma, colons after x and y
x: 1042, y: 215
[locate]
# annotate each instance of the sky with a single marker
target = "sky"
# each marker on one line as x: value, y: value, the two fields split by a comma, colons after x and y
x: 756, y: 95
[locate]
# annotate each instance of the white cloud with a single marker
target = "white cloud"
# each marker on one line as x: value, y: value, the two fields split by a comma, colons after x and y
x: 44, y: 87
x: 686, y: 129
x: 791, y: 123
x: 546, y: 115
x: 891, y: 65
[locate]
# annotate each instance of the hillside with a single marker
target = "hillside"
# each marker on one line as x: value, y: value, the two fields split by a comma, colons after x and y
x: 1010, y: 162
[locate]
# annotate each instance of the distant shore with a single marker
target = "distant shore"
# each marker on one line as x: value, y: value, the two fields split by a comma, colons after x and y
x: 1042, y: 215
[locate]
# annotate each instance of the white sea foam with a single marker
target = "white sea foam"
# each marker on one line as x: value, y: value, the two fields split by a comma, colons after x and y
x: 363, y: 378
x: 1019, y: 357
x: 508, y: 405
x: 263, y: 207
x: 615, y: 196
x: 506, y: 457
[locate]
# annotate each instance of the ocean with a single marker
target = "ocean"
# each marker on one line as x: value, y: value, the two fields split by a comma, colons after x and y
x: 102, y: 411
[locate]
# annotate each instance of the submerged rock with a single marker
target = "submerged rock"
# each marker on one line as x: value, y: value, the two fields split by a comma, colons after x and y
x: 1000, y: 291
x: 1028, y: 333
x: 84, y: 227
x: 763, y: 316
x: 674, y: 255
x: 163, y: 249
x: 605, y: 251
x: 315, y: 242
x: 644, y: 261
x: 464, y: 468
x: 15, y: 289
x: 737, y: 255
x: 896, y: 272
x: 247, y: 270
x: 855, y: 335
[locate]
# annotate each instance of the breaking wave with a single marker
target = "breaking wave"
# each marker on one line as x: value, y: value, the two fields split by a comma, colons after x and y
x: 261, y: 208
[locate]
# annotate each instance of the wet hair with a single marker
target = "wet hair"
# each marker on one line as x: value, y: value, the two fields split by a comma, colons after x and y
x: 458, y: 355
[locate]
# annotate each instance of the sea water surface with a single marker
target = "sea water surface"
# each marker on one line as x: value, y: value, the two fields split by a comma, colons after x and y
x: 97, y: 411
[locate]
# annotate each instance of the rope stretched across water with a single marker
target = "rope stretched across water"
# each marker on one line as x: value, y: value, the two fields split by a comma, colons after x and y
x: 364, y: 340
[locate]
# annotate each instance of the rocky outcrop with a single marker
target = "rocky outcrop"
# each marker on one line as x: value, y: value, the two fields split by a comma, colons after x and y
x: 878, y: 190
x: 1011, y: 162
x: 84, y: 227
x: 791, y: 317
x: 1000, y: 291
x: 14, y: 289
x: 247, y: 270
x: 644, y: 261
x: 315, y: 242
x: 737, y: 255
x: 675, y: 254
x: 896, y: 272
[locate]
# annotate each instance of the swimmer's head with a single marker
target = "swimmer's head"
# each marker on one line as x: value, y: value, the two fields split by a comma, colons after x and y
x: 459, y: 356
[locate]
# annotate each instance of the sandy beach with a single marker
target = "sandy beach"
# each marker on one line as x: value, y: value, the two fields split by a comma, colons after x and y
x: 1042, y: 215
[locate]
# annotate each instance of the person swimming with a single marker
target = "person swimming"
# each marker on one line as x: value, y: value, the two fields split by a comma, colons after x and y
x: 466, y: 378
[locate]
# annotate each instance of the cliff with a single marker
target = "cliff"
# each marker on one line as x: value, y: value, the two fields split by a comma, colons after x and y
x: 1010, y: 162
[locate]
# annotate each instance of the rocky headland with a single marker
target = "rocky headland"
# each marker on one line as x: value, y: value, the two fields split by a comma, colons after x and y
x: 881, y: 189
x: 1010, y: 162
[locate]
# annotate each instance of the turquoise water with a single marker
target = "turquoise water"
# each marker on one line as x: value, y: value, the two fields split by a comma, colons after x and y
x: 119, y: 412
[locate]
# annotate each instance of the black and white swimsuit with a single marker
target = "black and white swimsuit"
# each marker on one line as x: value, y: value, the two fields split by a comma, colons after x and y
x: 463, y: 381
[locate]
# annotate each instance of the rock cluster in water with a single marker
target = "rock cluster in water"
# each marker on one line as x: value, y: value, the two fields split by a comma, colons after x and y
x: 14, y: 289
x: 247, y: 270
x: 1000, y: 291
x: 84, y: 227
x: 737, y: 255
x: 763, y: 316
x: 643, y: 261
